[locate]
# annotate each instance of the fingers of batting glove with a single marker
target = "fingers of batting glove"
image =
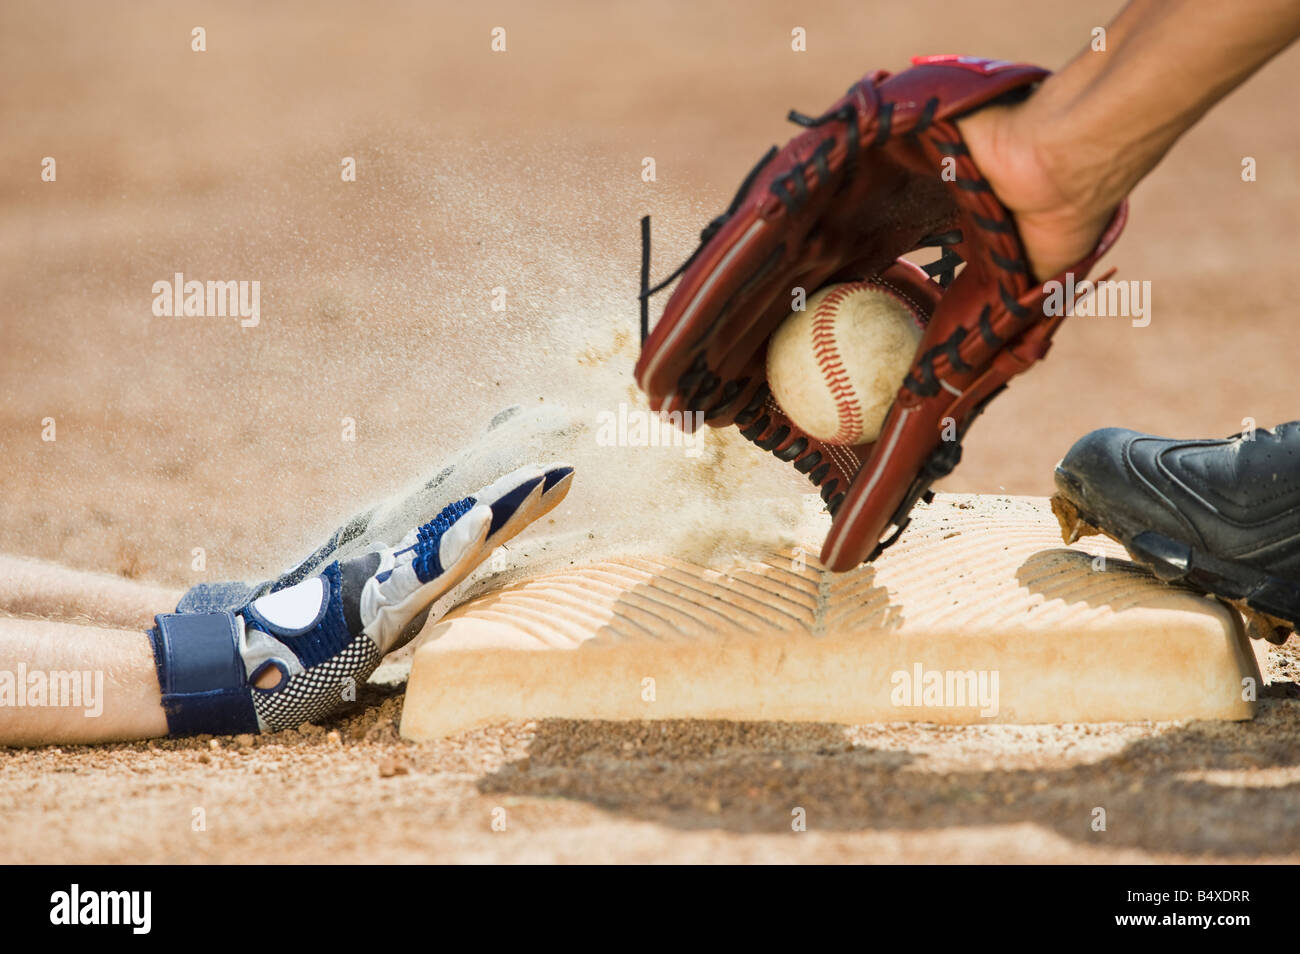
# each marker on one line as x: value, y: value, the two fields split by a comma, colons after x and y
x: 515, y: 505
x: 434, y: 558
x: 412, y: 576
x: 513, y: 501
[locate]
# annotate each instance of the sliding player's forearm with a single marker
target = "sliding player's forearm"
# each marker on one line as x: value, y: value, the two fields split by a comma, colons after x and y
x: 68, y: 683
x: 291, y: 655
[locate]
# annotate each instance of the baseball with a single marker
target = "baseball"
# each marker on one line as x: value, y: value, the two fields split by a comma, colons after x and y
x: 836, y: 366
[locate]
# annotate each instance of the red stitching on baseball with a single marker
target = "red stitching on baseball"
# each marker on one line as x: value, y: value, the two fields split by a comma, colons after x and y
x: 827, y: 354
x: 830, y: 363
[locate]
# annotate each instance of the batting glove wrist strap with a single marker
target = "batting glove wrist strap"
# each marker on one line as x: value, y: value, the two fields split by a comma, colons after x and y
x: 201, y: 674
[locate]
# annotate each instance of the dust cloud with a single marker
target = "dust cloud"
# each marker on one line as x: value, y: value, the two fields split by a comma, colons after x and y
x: 520, y: 346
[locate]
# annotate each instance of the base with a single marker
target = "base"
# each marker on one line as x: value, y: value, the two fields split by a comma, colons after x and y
x: 979, y: 614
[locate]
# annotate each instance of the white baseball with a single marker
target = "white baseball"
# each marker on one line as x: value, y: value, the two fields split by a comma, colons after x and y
x: 836, y: 367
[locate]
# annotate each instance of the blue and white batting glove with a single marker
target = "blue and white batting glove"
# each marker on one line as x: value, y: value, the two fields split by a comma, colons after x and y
x: 299, y: 653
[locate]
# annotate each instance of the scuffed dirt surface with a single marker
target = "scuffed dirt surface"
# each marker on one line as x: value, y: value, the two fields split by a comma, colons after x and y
x: 353, y: 791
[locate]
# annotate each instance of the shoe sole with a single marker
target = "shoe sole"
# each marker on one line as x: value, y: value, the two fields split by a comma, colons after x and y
x: 1269, y: 604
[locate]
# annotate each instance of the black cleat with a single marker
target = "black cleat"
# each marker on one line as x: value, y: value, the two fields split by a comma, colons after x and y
x: 1220, y: 515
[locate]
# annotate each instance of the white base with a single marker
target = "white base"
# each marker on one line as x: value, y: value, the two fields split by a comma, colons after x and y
x: 979, y: 593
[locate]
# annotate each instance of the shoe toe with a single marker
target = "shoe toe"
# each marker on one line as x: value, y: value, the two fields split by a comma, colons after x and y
x: 1094, y: 472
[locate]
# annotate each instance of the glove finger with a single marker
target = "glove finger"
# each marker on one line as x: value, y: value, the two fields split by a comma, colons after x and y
x: 513, y: 508
x: 410, y: 579
x: 505, y: 485
x: 555, y: 487
x: 521, y: 497
x: 747, y: 248
x: 893, y: 479
x: 738, y: 341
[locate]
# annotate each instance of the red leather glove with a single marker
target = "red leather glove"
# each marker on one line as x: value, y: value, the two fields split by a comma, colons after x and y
x: 883, y: 172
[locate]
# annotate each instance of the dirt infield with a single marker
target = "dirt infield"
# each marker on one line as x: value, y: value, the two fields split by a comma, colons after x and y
x: 522, y: 170
x: 673, y: 791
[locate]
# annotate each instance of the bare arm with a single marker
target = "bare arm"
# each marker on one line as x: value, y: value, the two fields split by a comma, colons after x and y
x: 75, y: 663
x: 1063, y: 159
x: 70, y: 683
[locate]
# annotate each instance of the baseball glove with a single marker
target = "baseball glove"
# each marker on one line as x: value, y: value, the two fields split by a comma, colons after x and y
x: 882, y: 173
